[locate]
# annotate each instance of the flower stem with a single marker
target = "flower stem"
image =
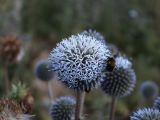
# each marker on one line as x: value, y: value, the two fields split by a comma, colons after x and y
x: 112, y: 111
x: 6, y: 79
x: 50, y: 93
x: 79, y: 104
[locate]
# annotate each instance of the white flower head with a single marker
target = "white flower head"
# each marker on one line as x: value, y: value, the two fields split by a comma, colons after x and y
x: 79, y: 61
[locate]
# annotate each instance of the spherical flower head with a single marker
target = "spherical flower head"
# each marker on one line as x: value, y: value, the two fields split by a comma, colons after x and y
x: 146, y: 114
x: 63, y: 108
x: 121, y: 81
x: 149, y: 90
x: 79, y: 61
x: 157, y: 103
x: 95, y: 34
x: 42, y: 70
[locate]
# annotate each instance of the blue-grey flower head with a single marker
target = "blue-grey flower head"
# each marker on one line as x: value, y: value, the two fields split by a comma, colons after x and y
x: 121, y: 81
x: 157, y: 103
x: 149, y: 90
x: 95, y: 34
x: 146, y: 114
x: 79, y: 61
x: 63, y: 108
x: 42, y: 70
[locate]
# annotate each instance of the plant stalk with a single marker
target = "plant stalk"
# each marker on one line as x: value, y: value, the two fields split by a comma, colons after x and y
x: 113, y: 108
x: 79, y: 104
x: 50, y: 90
x: 6, y: 79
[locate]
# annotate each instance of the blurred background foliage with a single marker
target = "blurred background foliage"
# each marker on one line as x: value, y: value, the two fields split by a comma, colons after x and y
x: 133, y: 26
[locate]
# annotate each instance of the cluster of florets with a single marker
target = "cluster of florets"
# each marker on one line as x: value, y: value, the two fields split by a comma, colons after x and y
x: 121, y: 81
x: 63, y: 108
x: 79, y: 61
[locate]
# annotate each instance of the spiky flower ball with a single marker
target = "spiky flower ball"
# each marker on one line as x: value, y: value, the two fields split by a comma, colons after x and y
x: 146, y: 114
x: 42, y: 70
x: 63, y: 108
x: 79, y: 61
x: 9, y: 49
x: 95, y: 34
x: 11, y: 110
x: 121, y: 81
x: 157, y: 103
x: 149, y: 90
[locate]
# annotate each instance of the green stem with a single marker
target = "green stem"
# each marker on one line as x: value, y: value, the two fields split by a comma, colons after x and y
x: 6, y: 79
x: 50, y: 90
x: 113, y: 106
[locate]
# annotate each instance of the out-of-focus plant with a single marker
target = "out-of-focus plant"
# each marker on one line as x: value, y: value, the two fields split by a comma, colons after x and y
x: 23, y: 96
x: 120, y: 82
x: 18, y: 91
x: 43, y: 72
x: 11, y: 110
x: 10, y: 48
x: 149, y: 90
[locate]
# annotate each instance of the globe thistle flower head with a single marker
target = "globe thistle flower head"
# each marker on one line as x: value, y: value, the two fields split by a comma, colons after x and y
x: 146, y: 114
x: 95, y: 34
x: 157, y: 103
x: 79, y: 61
x: 10, y: 48
x: 63, y: 108
x: 42, y: 70
x: 149, y: 90
x: 121, y: 81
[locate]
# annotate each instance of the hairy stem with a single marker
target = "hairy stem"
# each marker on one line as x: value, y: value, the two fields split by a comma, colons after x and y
x: 79, y: 104
x: 113, y: 106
